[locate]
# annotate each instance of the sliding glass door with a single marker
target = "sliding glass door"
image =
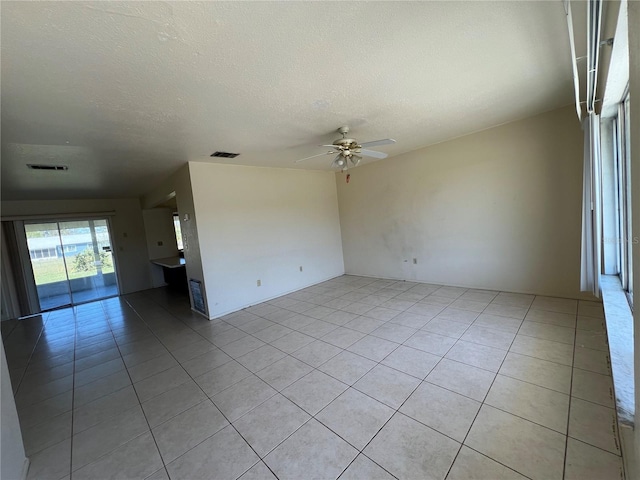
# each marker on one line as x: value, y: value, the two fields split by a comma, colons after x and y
x: 72, y: 261
x: 48, y: 265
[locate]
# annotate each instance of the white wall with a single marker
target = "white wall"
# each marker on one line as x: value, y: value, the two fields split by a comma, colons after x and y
x: 179, y: 184
x: 159, y: 229
x: 499, y: 209
x: 263, y: 224
x: 128, y: 232
x: 13, y: 460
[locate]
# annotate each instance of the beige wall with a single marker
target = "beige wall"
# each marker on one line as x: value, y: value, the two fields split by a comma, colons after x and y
x: 161, y: 239
x: 263, y: 224
x: 127, y: 225
x: 499, y: 209
x: 161, y: 235
x: 13, y: 460
x: 179, y: 184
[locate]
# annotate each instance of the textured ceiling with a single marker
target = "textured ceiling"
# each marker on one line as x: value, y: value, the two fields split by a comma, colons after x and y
x: 124, y: 93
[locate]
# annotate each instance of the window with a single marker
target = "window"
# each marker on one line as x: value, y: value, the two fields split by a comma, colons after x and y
x: 176, y: 226
x: 43, y: 253
x: 622, y: 147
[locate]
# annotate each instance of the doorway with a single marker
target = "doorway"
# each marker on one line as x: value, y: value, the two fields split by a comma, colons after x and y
x: 72, y: 261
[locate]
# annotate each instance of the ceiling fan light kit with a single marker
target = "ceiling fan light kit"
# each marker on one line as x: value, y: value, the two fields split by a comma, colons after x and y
x: 348, y: 150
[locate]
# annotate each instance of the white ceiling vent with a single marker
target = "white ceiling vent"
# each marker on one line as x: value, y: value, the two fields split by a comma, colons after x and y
x: 224, y: 154
x: 47, y: 167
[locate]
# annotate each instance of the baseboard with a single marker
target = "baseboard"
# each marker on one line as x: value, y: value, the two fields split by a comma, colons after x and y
x: 200, y: 313
x: 276, y: 296
x: 577, y: 296
x: 25, y: 468
x: 630, y: 451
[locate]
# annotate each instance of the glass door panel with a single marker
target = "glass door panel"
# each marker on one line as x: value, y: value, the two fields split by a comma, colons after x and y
x: 48, y: 264
x: 86, y: 247
x: 72, y: 262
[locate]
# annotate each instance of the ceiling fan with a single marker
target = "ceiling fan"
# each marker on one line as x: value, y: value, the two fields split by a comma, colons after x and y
x: 348, y: 150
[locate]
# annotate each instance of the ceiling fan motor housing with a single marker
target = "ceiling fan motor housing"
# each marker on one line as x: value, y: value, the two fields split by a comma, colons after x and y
x: 347, y: 143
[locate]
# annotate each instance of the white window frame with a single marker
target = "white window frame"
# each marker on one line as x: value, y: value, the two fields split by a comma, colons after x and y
x: 623, y: 195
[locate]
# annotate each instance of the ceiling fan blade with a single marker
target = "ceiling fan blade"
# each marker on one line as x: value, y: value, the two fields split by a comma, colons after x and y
x: 373, y: 153
x: 313, y: 156
x: 375, y: 143
x: 330, y: 146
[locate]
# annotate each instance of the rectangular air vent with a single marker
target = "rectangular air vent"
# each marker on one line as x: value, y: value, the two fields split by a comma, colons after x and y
x: 47, y: 167
x: 224, y: 154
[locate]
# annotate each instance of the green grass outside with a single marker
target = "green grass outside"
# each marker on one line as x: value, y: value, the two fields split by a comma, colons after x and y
x: 51, y: 270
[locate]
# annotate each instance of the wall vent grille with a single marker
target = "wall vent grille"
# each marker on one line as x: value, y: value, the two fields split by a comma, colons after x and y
x: 224, y: 154
x: 47, y: 167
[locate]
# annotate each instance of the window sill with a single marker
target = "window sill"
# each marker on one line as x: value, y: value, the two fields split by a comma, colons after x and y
x: 619, y: 322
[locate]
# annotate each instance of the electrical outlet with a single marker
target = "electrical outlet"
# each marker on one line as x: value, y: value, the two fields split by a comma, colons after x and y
x: 160, y: 243
x: 259, y: 282
x: 300, y: 267
x: 415, y: 261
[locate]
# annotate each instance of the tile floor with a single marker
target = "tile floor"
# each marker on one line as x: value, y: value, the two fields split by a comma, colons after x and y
x: 355, y: 378
x: 48, y: 302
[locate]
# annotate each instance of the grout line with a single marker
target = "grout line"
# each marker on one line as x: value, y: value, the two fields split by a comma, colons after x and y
x: 73, y: 394
x: 311, y: 416
x: 208, y: 398
x: 494, y: 460
x: 566, y: 440
x: 396, y: 410
x: 33, y: 349
x: 377, y: 363
x: 73, y: 384
x: 485, y: 397
x: 167, y: 306
x: 356, y: 457
x: 106, y: 314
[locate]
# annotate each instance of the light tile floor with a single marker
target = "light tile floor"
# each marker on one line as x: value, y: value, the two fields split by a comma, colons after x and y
x: 48, y: 302
x: 356, y: 378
